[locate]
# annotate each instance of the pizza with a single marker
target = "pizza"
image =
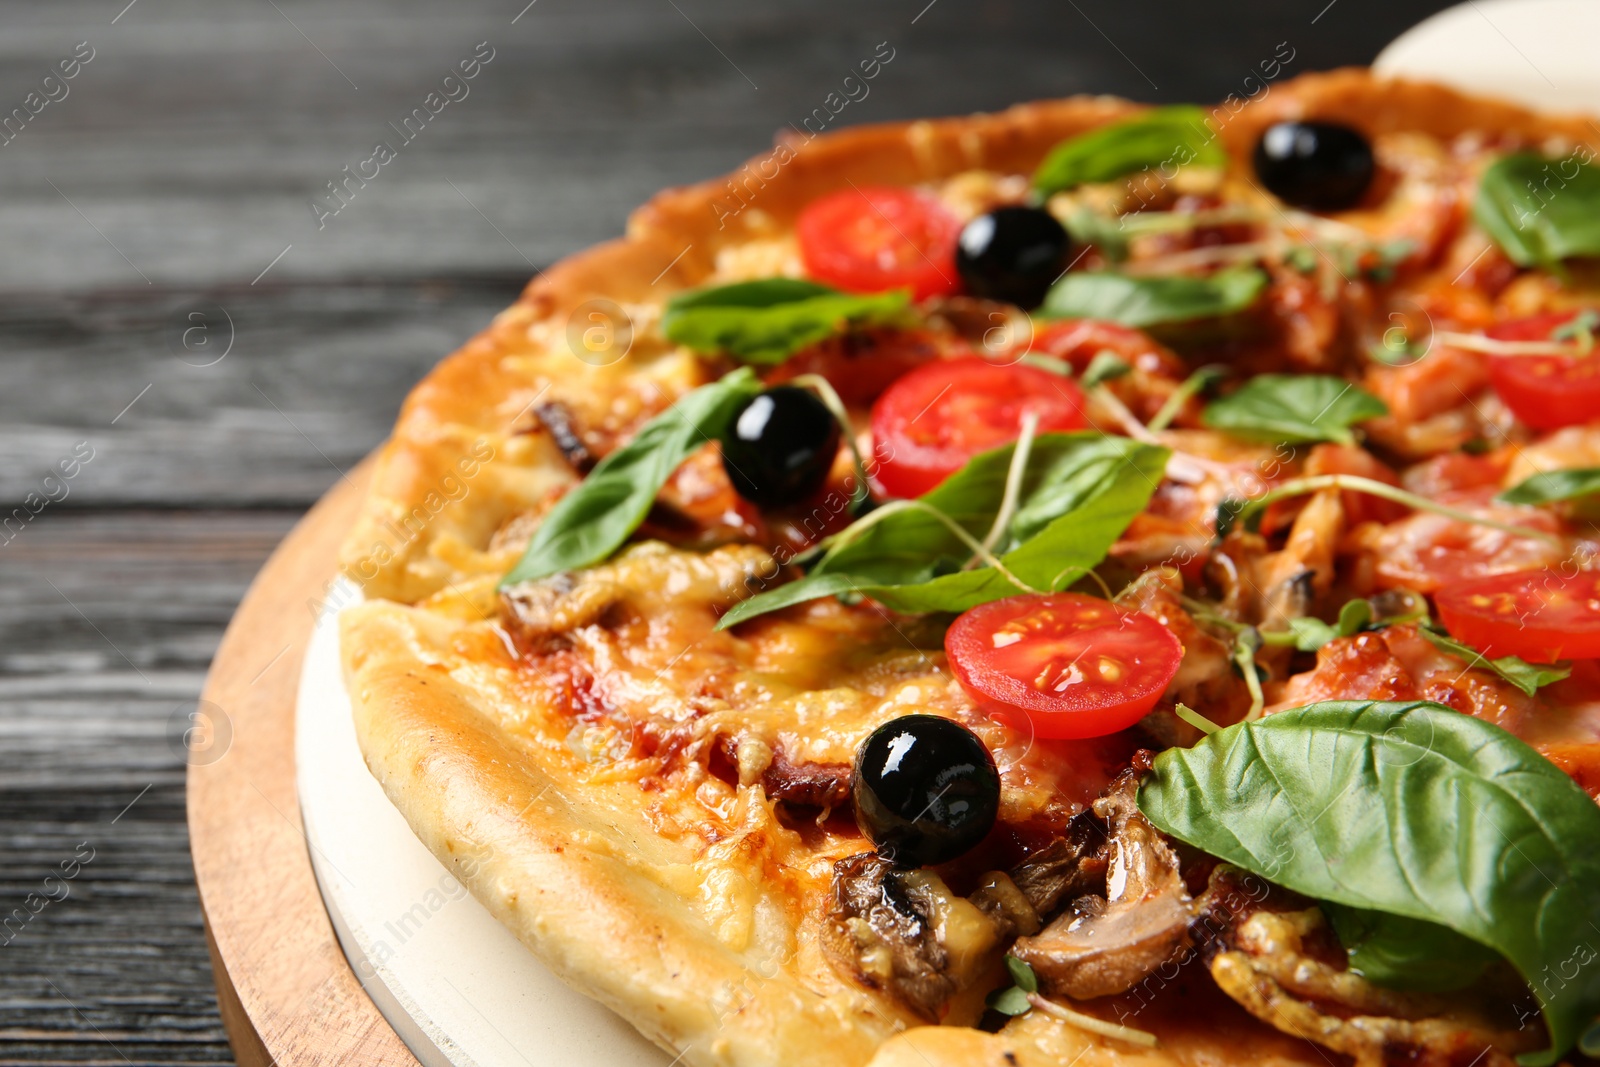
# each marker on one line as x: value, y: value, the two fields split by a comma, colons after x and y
x: 1089, y: 584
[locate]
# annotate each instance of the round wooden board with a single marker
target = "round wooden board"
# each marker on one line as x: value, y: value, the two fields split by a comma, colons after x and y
x: 286, y: 993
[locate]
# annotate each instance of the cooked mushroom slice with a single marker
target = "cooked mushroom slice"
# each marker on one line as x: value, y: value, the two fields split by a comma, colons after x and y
x: 1068, y: 867
x: 648, y: 575
x: 1264, y: 965
x: 1104, y: 944
x: 905, y: 932
x: 559, y: 422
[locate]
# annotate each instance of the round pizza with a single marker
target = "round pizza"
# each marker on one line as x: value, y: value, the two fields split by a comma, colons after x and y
x: 1091, y: 584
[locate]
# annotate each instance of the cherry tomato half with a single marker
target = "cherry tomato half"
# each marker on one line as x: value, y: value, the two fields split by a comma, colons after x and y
x: 1546, y: 392
x: 1073, y: 665
x: 1541, y: 616
x: 1429, y: 552
x: 867, y: 240
x: 930, y: 422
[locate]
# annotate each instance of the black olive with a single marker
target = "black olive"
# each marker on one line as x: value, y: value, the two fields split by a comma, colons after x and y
x: 1012, y: 254
x: 925, y: 790
x: 1319, y: 166
x: 780, y: 446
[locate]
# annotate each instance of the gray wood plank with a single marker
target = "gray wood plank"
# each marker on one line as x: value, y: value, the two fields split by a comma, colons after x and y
x: 311, y: 383
x: 109, y: 621
x: 194, y: 140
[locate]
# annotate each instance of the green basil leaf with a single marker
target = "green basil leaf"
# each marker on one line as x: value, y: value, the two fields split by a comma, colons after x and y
x: 1528, y: 677
x: 1105, y: 232
x: 1079, y: 493
x: 1311, y: 634
x: 1022, y: 974
x: 1401, y: 953
x: 1540, y: 211
x: 1105, y: 366
x: 1294, y: 409
x: 1413, y: 810
x: 1547, y: 487
x: 767, y: 321
x: 599, y: 513
x: 1166, y: 137
x: 1145, y: 302
x: 1011, y: 1001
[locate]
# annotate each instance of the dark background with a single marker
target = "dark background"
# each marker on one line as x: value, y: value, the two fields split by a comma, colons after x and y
x: 181, y: 162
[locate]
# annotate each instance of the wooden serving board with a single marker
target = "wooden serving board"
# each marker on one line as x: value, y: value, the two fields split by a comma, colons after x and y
x: 286, y: 992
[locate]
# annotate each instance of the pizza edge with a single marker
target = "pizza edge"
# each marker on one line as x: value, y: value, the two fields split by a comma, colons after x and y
x: 464, y: 787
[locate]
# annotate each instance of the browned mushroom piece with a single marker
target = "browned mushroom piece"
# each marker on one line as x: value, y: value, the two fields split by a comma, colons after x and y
x: 905, y: 932
x: 1067, y: 867
x: 1106, y: 942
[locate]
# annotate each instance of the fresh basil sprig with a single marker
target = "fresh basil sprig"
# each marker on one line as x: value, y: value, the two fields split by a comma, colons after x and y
x: 1294, y: 409
x: 1540, y: 211
x: 767, y: 321
x: 1166, y: 137
x: 1077, y: 495
x: 1410, y: 810
x: 1013, y: 1000
x: 1548, y: 487
x: 1528, y: 677
x: 1153, y: 301
x: 599, y: 513
x: 1308, y: 634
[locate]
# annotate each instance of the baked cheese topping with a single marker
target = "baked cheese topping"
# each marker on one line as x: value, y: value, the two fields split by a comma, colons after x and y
x: 1114, y: 464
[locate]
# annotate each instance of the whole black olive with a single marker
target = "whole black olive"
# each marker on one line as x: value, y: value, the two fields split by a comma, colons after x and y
x: 1319, y: 166
x: 1012, y: 254
x: 780, y: 446
x: 926, y: 790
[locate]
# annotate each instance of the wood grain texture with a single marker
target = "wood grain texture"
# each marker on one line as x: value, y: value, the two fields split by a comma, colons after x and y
x: 186, y: 154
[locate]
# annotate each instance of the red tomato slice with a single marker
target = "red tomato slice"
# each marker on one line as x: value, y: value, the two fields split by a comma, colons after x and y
x: 1546, y: 392
x: 1073, y: 665
x: 870, y: 239
x: 1428, y: 552
x: 930, y: 422
x: 1541, y: 616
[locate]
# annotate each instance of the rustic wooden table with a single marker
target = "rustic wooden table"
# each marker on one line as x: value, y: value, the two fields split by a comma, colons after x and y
x: 189, y: 355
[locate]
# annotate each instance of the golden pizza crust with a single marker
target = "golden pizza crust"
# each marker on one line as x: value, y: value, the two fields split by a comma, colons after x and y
x: 578, y: 874
x: 577, y: 871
